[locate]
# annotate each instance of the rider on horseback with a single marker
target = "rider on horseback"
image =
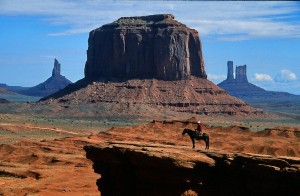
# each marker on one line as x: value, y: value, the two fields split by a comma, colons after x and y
x: 199, y: 129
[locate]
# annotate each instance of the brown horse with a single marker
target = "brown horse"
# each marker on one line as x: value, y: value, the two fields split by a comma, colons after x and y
x: 192, y: 134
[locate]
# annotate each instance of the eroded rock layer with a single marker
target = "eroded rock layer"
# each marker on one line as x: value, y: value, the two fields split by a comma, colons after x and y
x: 155, y: 46
x: 195, y: 95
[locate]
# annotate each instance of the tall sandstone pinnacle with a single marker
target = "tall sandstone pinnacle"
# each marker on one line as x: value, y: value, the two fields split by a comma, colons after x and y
x: 53, y: 84
x: 155, y: 46
x: 56, y: 68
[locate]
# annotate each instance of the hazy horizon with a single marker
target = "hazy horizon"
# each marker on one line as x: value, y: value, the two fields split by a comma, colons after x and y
x: 263, y: 35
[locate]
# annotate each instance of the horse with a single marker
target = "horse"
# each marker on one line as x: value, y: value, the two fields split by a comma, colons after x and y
x: 193, y: 137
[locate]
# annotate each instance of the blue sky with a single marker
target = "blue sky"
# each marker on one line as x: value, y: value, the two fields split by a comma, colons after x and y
x: 263, y: 35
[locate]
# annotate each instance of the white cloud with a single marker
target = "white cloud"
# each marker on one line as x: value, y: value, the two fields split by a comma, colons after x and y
x: 262, y: 77
x: 216, y: 78
x: 285, y: 76
x: 223, y: 20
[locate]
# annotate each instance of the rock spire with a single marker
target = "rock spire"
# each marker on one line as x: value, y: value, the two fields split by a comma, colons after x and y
x: 56, y: 68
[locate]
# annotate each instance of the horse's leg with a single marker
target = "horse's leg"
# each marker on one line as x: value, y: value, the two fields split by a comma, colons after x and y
x: 193, y: 143
x: 207, y: 143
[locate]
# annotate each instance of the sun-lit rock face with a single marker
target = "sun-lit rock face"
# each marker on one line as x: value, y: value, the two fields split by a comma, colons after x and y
x: 155, y: 46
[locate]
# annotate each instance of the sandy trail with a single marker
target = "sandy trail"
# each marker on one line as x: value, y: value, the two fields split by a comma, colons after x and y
x: 40, y: 128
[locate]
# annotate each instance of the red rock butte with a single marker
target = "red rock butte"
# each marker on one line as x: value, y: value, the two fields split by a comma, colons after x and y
x: 155, y: 46
x: 151, y: 60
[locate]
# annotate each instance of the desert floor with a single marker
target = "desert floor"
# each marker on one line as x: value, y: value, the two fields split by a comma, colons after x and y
x: 45, y: 156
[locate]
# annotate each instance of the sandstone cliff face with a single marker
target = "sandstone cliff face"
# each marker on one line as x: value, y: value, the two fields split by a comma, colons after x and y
x: 155, y: 46
x: 134, y: 169
x: 156, y: 159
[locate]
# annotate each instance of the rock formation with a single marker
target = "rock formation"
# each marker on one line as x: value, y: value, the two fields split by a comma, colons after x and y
x: 239, y: 84
x: 241, y: 74
x: 195, y: 95
x: 256, y: 96
x: 230, y: 71
x: 155, y: 46
x: 56, y: 69
x: 53, y: 84
x: 162, y: 162
x: 151, y: 60
x: 133, y: 169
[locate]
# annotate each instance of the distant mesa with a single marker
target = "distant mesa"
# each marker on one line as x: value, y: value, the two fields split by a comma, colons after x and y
x: 11, y: 95
x: 53, y: 84
x: 153, y: 60
x: 5, y: 91
x: 13, y: 89
x: 3, y: 100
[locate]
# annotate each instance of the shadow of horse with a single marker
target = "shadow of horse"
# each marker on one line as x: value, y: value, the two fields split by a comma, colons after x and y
x: 193, y: 137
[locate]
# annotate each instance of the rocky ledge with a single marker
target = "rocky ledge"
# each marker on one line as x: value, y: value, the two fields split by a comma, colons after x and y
x: 157, y: 169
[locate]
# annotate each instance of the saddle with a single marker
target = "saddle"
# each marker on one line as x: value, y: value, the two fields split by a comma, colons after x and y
x: 199, y: 134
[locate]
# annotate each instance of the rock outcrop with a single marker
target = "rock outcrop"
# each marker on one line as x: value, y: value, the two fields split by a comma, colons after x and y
x: 241, y: 74
x: 239, y: 85
x: 53, y: 84
x: 230, y: 71
x: 156, y: 159
x: 134, y: 169
x: 155, y: 46
x: 149, y: 60
x: 256, y: 96
x: 56, y: 68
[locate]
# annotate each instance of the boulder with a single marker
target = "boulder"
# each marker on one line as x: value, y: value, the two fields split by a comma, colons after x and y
x: 155, y: 46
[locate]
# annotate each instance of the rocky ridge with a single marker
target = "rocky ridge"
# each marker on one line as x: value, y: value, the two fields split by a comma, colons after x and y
x: 4, y: 91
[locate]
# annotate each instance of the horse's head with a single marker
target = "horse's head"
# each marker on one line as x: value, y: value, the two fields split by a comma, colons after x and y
x: 184, y: 131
